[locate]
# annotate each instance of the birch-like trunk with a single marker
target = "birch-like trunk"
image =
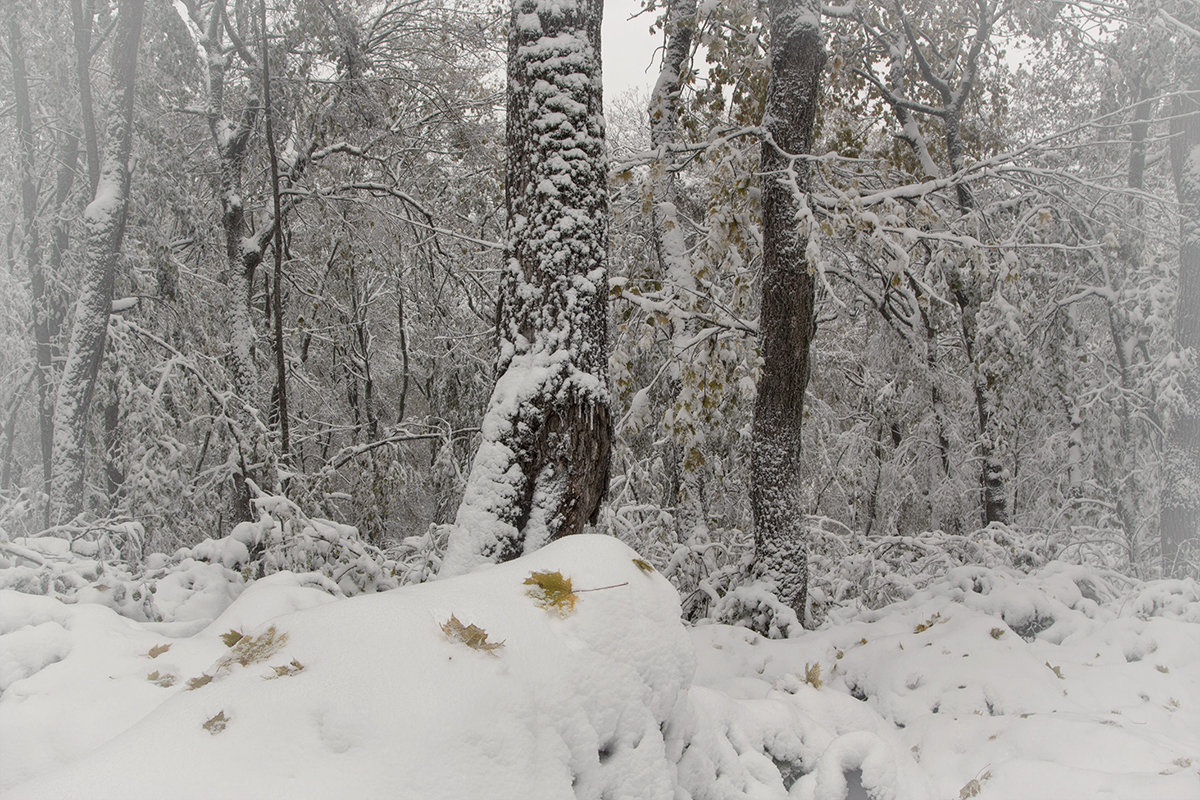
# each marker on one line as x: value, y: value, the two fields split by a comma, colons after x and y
x: 542, y: 465
x: 787, y: 321
x: 670, y: 240
x: 104, y: 229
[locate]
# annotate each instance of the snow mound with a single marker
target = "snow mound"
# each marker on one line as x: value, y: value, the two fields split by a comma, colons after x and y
x: 1069, y: 682
x: 485, y: 685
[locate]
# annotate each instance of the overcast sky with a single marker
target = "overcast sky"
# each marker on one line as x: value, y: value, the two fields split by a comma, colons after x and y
x: 628, y: 48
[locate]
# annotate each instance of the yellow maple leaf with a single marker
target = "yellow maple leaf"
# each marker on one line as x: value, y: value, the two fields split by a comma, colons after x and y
x: 552, y: 592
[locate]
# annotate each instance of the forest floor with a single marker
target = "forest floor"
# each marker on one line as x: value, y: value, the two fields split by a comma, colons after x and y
x: 567, y: 674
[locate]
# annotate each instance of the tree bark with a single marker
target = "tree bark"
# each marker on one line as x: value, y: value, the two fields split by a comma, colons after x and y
x: 671, y: 246
x: 787, y: 321
x: 542, y: 466
x: 104, y: 224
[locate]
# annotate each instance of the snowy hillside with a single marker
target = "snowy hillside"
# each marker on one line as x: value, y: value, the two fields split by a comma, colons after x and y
x: 1068, y: 683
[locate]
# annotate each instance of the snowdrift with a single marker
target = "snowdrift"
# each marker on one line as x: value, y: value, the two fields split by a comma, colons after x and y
x: 1068, y: 682
x: 481, y: 686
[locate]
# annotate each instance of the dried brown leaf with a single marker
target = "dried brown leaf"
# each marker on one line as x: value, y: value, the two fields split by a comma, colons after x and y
x: 231, y: 637
x: 161, y: 679
x: 472, y: 636
x: 216, y: 724
x: 196, y: 683
x: 285, y: 671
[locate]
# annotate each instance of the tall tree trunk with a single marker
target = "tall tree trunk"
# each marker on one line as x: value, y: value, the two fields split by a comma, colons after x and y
x: 542, y: 465
x: 280, y: 394
x: 670, y: 243
x: 787, y: 321
x: 104, y: 224
x: 32, y: 245
x: 1180, y: 515
x: 81, y: 22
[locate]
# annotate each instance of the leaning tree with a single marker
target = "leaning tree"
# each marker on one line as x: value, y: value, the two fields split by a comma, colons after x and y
x: 542, y: 465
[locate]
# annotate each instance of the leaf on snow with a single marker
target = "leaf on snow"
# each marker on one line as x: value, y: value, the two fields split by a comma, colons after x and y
x: 472, y: 636
x: 644, y: 566
x: 216, y: 724
x: 161, y: 680
x: 158, y: 650
x: 1056, y: 670
x: 552, y: 592
x: 973, y: 786
x: 285, y: 671
x: 232, y: 637
x: 249, y: 650
x: 929, y: 623
x: 196, y: 683
x: 812, y: 675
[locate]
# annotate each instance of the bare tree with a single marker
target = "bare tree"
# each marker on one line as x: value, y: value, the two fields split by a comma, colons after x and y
x: 542, y: 465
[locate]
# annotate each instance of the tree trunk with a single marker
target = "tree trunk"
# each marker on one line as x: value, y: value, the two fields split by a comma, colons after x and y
x: 280, y: 394
x: 787, y: 321
x: 542, y: 466
x: 32, y: 245
x: 1180, y: 515
x: 104, y: 224
x: 671, y: 246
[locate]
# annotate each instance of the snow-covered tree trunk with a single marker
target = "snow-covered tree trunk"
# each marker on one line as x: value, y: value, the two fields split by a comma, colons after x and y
x: 787, y: 321
x: 239, y: 275
x: 542, y: 465
x: 31, y: 241
x: 104, y: 226
x: 670, y: 240
x: 243, y: 252
x: 1180, y: 517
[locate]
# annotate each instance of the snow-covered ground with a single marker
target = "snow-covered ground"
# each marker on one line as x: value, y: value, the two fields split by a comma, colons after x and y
x: 1067, y: 683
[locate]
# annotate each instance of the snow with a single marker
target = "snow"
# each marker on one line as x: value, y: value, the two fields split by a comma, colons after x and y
x: 385, y: 703
x: 1068, y: 682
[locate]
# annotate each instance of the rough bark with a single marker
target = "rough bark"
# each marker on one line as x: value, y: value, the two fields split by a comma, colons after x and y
x: 787, y: 322
x: 542, y: 465
x: 104, y: 225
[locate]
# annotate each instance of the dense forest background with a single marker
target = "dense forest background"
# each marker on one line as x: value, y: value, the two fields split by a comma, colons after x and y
x: 256, y: 274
